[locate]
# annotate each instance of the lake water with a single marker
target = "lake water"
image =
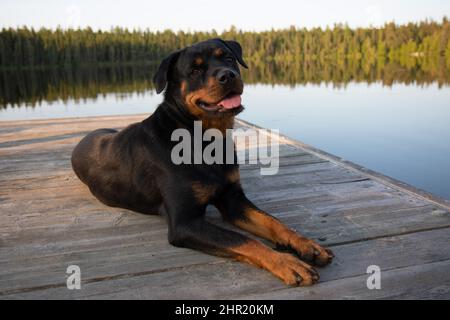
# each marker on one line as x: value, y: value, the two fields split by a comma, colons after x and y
x: 401, y: 130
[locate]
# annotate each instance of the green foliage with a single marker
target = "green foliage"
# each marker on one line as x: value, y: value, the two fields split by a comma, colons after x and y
x: 25, y: 47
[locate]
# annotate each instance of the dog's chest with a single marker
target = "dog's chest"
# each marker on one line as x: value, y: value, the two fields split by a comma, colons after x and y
x: 209, y: 184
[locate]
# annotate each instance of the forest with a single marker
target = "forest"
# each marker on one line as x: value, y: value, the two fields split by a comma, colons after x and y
x: 25, y: 47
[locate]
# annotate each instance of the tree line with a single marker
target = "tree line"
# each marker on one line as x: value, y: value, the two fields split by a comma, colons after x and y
x: 26, y: 47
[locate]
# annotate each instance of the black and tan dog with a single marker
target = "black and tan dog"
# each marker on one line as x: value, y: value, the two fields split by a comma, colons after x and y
x: 133, y: 169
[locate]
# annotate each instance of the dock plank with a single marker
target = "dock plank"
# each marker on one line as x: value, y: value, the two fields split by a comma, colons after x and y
x: 236, y: 280
x: 49, y: 220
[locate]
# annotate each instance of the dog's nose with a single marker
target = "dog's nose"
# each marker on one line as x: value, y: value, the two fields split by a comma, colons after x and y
x: 226, y: 75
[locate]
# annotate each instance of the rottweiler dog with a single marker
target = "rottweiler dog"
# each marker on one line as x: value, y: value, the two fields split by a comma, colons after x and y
x: 132, y: 168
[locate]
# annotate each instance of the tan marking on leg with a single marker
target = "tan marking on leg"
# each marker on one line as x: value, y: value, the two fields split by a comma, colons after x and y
x: 202, y: 192
x: 264, y: 226
x: 285, y: 266
x: 267, y: 227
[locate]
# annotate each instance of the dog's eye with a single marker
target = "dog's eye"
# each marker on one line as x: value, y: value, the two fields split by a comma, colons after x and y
x: 196, y: 71
x: 229, y: 59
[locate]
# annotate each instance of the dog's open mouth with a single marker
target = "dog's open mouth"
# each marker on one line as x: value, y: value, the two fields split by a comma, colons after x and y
x: 230, y: 103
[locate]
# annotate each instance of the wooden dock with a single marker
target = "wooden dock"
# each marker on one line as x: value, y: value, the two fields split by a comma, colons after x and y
x: 49, y: 221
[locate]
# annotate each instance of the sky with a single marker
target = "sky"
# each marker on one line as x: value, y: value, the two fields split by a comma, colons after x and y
x: 188, y: 15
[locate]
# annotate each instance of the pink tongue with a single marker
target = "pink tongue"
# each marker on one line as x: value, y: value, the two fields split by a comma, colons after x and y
x: 230, y: 103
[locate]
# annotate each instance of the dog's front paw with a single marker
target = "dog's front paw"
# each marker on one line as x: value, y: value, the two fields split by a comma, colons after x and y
x: 293, y: 271
x: 312, y: 252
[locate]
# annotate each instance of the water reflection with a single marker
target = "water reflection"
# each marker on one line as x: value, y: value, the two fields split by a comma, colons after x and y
x: 31, y: 87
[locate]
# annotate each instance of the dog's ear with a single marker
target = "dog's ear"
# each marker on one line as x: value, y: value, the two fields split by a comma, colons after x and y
x: 160, y: 78
x: 236, y: 49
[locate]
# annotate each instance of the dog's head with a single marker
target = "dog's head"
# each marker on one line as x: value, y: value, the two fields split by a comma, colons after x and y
x: 204, y: 78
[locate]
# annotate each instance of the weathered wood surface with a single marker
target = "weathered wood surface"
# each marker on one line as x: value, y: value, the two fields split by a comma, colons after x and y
x: 49, y: 220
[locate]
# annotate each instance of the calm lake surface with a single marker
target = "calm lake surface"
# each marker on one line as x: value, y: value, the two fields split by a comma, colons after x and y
x: 401, y: 130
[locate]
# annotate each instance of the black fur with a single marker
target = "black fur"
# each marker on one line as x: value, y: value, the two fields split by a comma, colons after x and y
x: 132, y: 168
